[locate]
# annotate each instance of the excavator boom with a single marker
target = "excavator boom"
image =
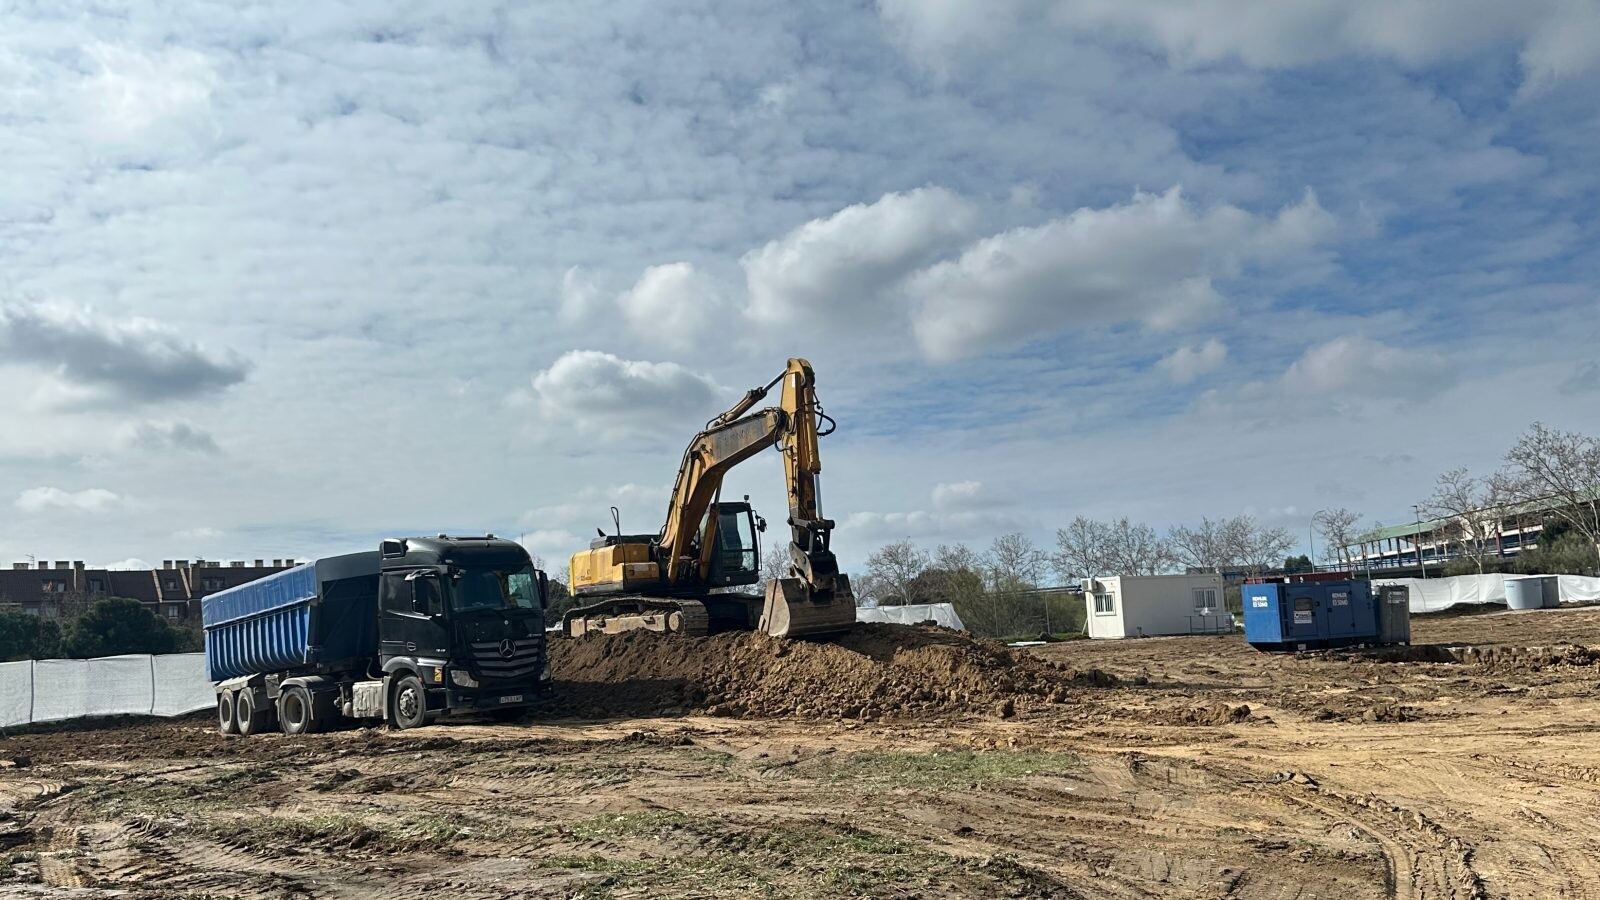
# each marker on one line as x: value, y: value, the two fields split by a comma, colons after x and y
x: 668, y: 579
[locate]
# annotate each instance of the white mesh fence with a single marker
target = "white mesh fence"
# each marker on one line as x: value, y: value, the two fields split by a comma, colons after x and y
x: 1434, y: 594
x: 48, y: 690
x: 911, y: 614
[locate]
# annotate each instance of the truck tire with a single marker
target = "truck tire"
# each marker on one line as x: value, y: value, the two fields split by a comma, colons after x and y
x: 226, y: 723
x: 408, y: 706
x: 295, y: 712
x: 250, y: 719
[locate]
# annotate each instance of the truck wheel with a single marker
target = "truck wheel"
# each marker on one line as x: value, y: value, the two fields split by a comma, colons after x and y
x: 409, y: 706
x: 250, y: 719
x: 226, y: 723
x: 294, y: 711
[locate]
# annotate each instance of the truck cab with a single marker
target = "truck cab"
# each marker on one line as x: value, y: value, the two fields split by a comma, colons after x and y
x: 466, y: 616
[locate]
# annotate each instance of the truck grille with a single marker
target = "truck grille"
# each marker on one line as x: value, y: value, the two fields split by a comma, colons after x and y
x: 525, y: 660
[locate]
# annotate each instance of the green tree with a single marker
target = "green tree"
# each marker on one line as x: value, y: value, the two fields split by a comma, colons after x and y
x: 27, y: 637
x: 118, y: 625
x: 1301, y: 563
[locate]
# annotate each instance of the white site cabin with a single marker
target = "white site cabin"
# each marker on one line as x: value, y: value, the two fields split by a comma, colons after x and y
x: 1149, y: 605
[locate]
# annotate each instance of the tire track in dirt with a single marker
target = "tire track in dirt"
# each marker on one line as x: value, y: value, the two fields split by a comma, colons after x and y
x: 58, y: 863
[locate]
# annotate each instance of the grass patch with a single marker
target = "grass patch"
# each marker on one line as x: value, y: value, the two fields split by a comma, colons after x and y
x: 944, y: 768
x: 673, y: 853
x: 353, y: 831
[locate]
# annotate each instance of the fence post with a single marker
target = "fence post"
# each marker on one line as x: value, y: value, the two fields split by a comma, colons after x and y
x: 33, y: 686
x: 152, y: 661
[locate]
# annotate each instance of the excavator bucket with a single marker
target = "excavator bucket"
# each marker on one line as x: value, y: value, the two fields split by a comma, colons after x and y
x: 792, y: 611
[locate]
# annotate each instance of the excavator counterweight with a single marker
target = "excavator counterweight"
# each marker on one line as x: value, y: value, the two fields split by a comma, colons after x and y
x: 683, y: 579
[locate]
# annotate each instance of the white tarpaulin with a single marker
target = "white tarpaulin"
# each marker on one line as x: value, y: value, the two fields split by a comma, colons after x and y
x: 1434, y: 594
x: 48, y: 690
x: 943, y: 613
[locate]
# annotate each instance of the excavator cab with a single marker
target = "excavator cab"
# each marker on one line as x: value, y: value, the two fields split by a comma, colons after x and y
x: 736, y: 559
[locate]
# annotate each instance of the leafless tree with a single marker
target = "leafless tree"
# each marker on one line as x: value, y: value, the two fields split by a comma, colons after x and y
x: 897, y: 564
x: 1338, y: 527
x: 775, y: 564
x: 1470, y: 511
x: 1134, y: 548
x: 1256, y: 546
x: 1562, y: 468
x: 1080, y: 550
x: 1206, y: 546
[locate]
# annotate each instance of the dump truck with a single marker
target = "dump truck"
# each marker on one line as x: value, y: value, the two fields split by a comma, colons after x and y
x: 685, y: 578
x: 420, y: 628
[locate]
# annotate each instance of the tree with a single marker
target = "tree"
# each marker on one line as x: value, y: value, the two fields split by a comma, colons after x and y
x: 774, y: 564
x: 1301, y: 563
x: 1080, y: 550
x: 1338, y: 529
x: 897, y: 565
x: 1014, y: 567
x: 1254, y: 545
x: 1206, y: 547
x: 1560, y: 466
x: 118, y: 625
x: 1470, y: 511
x: 27, y: 637
x: 1136, y: 549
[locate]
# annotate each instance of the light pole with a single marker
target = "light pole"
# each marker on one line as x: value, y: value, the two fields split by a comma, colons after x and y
x: 1310, y: 539
x: 1416, y: 508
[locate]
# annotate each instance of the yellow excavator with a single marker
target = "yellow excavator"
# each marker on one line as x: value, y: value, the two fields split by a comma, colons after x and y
x: 684, y: 579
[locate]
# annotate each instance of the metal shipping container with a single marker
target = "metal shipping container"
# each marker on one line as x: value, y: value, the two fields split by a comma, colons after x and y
x: 316, y: 614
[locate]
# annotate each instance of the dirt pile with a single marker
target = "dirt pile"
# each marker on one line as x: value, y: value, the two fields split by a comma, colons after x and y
x: 874, y: 672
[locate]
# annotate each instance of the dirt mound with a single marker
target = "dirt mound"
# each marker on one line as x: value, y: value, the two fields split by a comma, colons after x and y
x: 876, y: 671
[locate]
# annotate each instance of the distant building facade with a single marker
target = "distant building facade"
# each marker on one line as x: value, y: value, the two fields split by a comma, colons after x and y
x: 64, y: 589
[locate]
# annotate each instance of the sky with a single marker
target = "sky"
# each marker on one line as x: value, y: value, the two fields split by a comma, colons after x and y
x: 281, y: 279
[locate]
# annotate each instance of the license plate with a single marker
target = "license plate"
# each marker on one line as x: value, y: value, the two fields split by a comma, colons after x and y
x: 514, y: 698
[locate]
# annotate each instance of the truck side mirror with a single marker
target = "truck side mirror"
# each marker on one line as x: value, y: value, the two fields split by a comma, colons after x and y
x: 544, y: 590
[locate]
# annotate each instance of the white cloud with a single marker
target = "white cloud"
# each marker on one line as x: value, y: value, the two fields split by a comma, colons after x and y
x: 580, y: 296
x: 134, y: 89
x: 553, y: 547
x: 1187, y: 363
x: 955, y: 495
x: 674, y: 305
x: 1360, y: 366
x: 42, y: 499
x: 599, y: 393
x: 837, y: 265
x: 131, y: 564
x: 1153, y: 261
x: 202, y: 533
x: 1556, y: 38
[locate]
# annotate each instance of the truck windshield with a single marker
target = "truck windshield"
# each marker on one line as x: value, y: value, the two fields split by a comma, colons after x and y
x: 478, y: 589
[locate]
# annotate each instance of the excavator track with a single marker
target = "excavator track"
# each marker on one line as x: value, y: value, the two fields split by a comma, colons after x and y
x: 614, y: 616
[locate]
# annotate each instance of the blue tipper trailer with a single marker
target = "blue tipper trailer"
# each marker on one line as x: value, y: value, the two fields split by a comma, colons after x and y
x: 1302, y: 616
x: 317, y: 615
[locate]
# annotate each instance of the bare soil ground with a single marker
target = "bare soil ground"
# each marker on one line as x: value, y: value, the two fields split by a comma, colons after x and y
x: 893, y: 763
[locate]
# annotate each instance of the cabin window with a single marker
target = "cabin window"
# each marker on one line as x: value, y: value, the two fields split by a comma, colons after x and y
x: 1105, y: 604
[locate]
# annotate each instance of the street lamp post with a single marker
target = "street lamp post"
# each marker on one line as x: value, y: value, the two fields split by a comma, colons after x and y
x: 1416, y: 508
x: 1311, y: 539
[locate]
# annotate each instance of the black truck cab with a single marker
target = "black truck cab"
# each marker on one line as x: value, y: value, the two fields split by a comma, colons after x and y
x: 465, y: 617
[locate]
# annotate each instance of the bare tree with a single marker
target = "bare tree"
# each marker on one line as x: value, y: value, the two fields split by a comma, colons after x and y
x: 898, y: 565
x: 1256, y: 547
x: 1562, y: 467
x: 1470, y: 511
x: 1015, y: 566
x: 1338, y: 529
x: 1205, y: 547
x: 774, y: 564
x: 1080, y: 550
x: 1136, y: 549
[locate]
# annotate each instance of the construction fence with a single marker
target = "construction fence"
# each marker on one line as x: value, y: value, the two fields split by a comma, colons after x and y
x: 49, y: 690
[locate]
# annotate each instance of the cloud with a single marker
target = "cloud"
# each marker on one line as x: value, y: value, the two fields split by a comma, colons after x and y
x: 1356, y: 365
x: 553, y: 547
x: 131, y: 564
x: 135, y: 89
x: 957, y: 495
x: 837, y: 265
x: 43, y: 499
x: 1151, y: 261
x: 580, y: 296
x: 202, y: 533
x: 1584, y: 379
x: 102, y: 360
x: 163, y: 436
x: 674, y: 305
x: 1555, y: 38
x: 1185, y: 364
x: 598, y: 393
